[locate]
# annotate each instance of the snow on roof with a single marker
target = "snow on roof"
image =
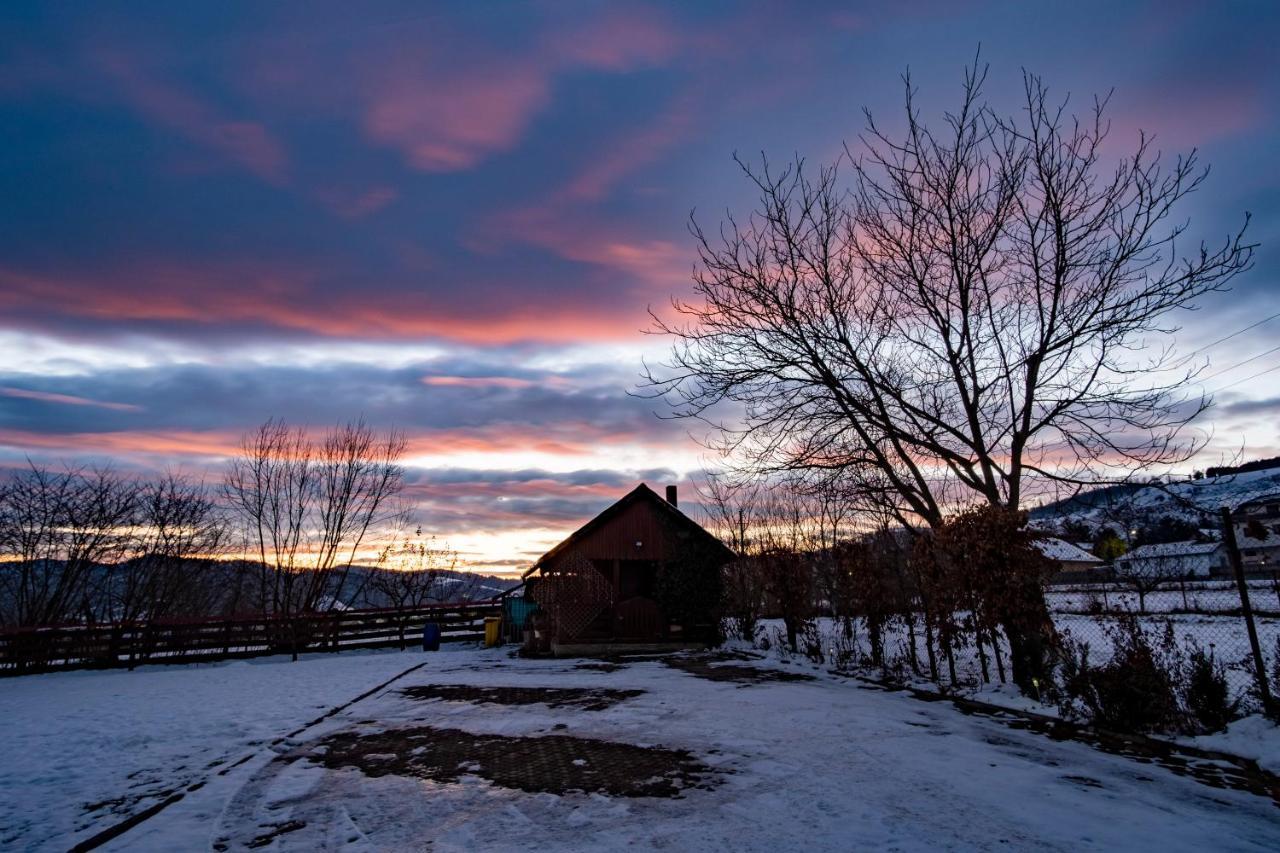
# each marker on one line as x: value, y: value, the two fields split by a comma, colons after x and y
x: 1258, y: 501
x: 1063, y: 551
x: 1173, y: 549
x: 1244, y: 540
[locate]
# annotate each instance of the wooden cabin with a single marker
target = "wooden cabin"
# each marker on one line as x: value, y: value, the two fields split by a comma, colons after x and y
x: 641, y: 574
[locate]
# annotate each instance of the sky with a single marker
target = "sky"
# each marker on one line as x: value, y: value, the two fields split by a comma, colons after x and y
x: 451, y: 218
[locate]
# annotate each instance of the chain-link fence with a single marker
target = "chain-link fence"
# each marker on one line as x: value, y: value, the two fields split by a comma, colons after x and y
x: 1175, y: 644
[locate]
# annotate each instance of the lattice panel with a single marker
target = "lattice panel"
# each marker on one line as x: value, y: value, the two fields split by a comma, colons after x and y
x: 573, y: 595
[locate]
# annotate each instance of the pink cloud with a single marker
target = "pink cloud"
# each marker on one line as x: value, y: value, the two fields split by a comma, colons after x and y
x: 658, y: 265
x: 565, y: 223
x: 356, y: 204
x: 446, y: 122
x: 66, y: 399
x: 246, y: 143
x: 294, y: 298
x: 620, y: 40
x: 1186, y: 114
x: 509, y: 382
x: 634, y: 151
x: 445, y: 112
x: 170, y: 443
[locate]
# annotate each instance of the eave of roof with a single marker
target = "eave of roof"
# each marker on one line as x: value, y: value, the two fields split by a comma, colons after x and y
x: 640, y: 492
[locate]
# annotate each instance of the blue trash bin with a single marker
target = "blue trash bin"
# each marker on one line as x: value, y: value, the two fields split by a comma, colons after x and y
x: 431, y: 637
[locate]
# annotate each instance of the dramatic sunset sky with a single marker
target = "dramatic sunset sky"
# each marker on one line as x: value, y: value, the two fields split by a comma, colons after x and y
x: 450, y: 217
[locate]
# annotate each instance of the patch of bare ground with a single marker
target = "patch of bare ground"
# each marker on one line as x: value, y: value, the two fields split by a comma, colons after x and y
x: 584, y: 698
x: 601, y: 666
x: 274, y: 832
x: 710, y: 668
x: 556, y: 764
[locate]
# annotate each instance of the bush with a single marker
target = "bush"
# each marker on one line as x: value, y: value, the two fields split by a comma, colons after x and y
x: 1207, y: 694
x: 1133, y: 692
x: 811, y: 642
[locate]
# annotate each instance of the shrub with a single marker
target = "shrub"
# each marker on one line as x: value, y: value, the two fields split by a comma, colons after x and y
x: 811, y: 642
x: 1275, y: 667
x: 1207, y: 693
x: 1133, y: 692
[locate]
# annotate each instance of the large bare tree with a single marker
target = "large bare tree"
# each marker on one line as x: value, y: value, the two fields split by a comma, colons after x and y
x: 306, y: 508
x: 977, y: 314
x: 57, y: 530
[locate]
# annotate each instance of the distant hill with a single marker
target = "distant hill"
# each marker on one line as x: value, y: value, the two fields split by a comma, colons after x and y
x: 222, y: 587
x: 1129, y: 505
x: 450, y: 586
x: 1255, y: 465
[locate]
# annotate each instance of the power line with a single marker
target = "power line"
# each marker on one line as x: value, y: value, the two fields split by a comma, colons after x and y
x: 1246, y: 379
x: 1239, y: 364
x: 1234, y: 334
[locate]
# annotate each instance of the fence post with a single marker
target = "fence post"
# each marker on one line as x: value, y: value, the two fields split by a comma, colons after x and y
x: 1237, y: 567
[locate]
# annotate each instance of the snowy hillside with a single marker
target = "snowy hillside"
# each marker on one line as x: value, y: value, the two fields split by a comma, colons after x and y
x: 1192, y: 500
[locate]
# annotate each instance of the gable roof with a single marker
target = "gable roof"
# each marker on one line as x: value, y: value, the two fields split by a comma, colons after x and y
x: 1064, y: 551
x: 641, y: 493
x: 1162, y: 550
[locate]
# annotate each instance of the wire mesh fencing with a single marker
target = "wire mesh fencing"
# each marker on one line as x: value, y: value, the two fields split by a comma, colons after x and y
x: 1170, y: 644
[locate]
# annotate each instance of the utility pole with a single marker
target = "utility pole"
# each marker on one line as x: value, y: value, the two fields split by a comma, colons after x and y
x: 1237, y: 566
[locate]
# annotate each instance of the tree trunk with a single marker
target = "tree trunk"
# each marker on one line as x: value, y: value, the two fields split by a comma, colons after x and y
x: 995, y: 650
x: 1032, y: 650
x: 911, y: 643
x: 876, y: 638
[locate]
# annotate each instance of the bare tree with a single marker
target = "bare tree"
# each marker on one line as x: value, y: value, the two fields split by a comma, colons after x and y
x: 359, y: 479
x: 1152, y: 569
x: 306, y: 509
x: 409, y: 577
x: 57, y: 530
x: 977, y: 317
x: 178, y: 523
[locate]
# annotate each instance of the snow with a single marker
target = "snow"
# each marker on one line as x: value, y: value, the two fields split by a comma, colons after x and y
x: 828, y: 764
x: 1175, y: 559
x: 1063, y: 551
x: 1175, y: 499
x: 1253, y: 737
x: 74, y: 739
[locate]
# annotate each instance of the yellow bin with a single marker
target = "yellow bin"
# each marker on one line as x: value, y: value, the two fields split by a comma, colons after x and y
x: 492, y: 631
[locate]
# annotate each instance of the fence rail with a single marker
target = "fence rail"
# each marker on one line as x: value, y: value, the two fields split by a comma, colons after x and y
x: 46, y: 649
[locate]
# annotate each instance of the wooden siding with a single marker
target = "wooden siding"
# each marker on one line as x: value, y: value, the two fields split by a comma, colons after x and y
x: 617, y: 538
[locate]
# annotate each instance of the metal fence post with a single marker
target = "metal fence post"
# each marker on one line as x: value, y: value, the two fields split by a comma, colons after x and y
x: 1237, y: 566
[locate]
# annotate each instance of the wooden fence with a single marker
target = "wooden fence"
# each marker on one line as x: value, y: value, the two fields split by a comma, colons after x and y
x: 45, y: 649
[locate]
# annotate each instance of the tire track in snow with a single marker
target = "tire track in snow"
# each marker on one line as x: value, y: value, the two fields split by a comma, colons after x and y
x: 116, y: 830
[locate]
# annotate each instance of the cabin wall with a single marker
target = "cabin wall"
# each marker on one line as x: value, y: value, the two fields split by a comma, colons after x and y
x: 616, y: 540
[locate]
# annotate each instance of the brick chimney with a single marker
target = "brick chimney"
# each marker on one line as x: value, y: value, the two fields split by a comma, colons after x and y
x: 671, y: 496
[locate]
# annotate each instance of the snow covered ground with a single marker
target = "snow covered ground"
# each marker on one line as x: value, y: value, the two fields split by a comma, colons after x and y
x: 1216, y: 596
x: 1224, y: 635
x: 825, y: 764
x: 80, y: 751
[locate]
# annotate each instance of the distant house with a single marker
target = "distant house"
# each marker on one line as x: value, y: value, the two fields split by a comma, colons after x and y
x: 1072, y: 557
x: 1076, y: 565
x: 1257, y: 524
x: 601, y: 587
x: 1176, y: 560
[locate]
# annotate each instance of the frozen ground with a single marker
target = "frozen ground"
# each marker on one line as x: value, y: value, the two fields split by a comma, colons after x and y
x: 813, y: 765
x: 1225, y: 636
x: 80, y: 751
